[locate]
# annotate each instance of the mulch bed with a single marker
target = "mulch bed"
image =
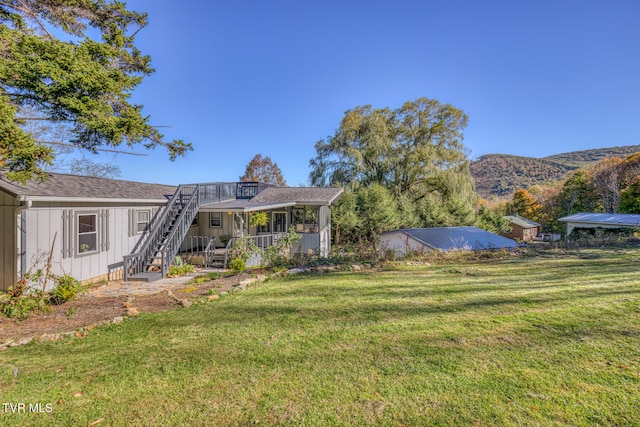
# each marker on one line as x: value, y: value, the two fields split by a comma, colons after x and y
x: 88, y: 310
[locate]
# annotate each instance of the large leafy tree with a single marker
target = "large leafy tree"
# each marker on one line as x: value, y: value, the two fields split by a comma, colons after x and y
x: 415, y: 152
x: 263, y: 169
x: 82, y: 81
x: 524, y: 204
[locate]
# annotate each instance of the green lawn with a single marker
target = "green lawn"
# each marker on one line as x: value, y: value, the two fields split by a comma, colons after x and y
x: 543, y: 341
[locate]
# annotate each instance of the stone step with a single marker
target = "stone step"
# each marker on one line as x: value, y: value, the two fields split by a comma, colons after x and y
x: 146, y: 276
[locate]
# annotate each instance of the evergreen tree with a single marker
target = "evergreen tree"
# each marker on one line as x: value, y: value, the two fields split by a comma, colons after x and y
x: 492, y: 220
x: 630, y: 198
x: 84, y: 82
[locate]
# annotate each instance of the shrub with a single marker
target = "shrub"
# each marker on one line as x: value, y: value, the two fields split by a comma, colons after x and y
x: 237, y: 265
x: 67, y: 289
x: 21, y: 308
x: 181, y: 270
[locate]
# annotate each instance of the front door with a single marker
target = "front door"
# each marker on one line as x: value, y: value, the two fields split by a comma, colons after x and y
x: 279, y: 222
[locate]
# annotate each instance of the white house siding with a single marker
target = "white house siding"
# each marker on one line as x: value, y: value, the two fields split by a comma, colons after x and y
x: 203, y: 229
x: 401, y: 243
x: 308, y: 244
x: 324, y: 227
x: 8, y: 258
x: 45, y: 221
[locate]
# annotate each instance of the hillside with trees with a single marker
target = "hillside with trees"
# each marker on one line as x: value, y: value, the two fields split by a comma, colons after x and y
x: 502, y: 174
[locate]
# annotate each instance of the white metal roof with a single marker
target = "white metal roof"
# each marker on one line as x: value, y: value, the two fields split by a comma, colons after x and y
x: 452, y: 238
x: 627, y: 220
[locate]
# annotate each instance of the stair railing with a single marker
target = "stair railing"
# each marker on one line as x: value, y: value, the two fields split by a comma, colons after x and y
x: 209, y: 251
x: 180, y: 210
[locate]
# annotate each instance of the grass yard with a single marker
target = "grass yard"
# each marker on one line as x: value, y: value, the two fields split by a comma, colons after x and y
x: 534, y: 341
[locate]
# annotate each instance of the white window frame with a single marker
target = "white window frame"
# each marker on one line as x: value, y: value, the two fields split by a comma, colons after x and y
x: 78, y: 233
x: 138, y: 222
x: 211, y: 214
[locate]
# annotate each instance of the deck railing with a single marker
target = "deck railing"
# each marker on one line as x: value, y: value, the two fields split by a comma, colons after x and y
x: 262, y: 241
x: 248, y: 190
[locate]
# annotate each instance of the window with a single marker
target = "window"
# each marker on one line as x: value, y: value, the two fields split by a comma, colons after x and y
x: 215, y: 219
x: 142, y: 221
x: 279, y: 221
x: 87, y: 233
x: 305, y: 219
x: 195, y: 221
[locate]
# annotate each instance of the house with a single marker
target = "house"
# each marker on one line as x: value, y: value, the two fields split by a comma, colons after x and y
x: 442, y: 238
x: 600, y: 220
x: 104, y: 228
x: 522, y: 229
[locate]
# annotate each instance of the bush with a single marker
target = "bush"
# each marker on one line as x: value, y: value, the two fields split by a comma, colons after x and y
x: 21, y: 307
x: 180, y: 270
x: 26, y: 296
x: 237, y: 265
x: 67, y: 289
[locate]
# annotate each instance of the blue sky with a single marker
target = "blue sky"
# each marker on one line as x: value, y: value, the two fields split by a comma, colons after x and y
x: 237, y: 78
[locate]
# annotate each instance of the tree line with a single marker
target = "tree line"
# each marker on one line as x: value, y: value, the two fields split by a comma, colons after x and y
x: 407, y: 167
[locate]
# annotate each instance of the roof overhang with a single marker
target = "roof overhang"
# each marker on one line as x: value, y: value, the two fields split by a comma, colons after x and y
x: 334, y: 198
x: 243, y: 205
x: 89, y: 200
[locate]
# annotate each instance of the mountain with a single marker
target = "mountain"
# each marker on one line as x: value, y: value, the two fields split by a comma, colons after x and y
x: 502, y: 174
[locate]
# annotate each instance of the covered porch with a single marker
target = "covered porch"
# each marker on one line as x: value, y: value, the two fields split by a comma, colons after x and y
x: 217, y: 225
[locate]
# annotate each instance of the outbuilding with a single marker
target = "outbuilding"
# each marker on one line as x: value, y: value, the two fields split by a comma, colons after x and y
x: 422, y: 240
x: 600, y: 220
x: 522, y: 228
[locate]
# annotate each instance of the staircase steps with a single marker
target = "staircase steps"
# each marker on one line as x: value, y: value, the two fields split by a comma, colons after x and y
x: 146, y: 276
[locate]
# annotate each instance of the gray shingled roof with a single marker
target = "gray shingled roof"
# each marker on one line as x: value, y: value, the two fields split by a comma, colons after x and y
x: 452, y: 238
x: 74, y: 186
x: 299, y: 195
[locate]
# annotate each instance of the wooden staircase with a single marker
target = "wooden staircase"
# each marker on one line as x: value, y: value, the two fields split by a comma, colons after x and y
x: 156, y: 250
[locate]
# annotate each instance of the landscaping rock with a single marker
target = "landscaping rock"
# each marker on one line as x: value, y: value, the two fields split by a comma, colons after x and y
x: 213, y: 297
x: 132, y: 312
x: 294, y: 271
x: 118, y: 319
x: 246, y: 282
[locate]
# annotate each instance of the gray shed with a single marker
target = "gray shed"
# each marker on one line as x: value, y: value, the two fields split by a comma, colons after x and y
x: 444, y: 239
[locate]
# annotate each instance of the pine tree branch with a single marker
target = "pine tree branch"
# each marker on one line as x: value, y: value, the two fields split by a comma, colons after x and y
x: 64, y: 144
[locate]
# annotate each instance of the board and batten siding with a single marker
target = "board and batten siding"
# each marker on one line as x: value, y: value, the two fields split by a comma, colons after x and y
x: 8, y: 247
x: 116, y: 237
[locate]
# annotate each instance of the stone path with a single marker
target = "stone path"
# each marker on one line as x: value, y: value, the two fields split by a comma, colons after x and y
x: 121, y: 288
